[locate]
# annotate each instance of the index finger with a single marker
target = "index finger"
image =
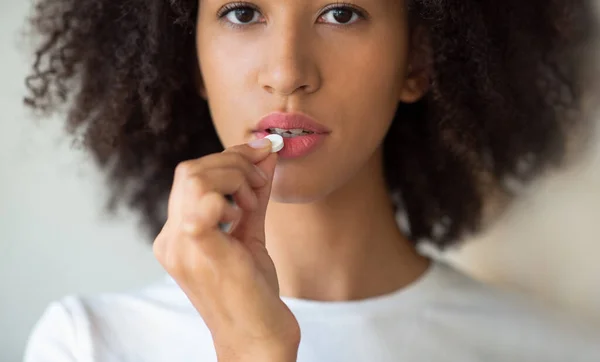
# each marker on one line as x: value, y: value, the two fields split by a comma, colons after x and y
x: 254, y: 151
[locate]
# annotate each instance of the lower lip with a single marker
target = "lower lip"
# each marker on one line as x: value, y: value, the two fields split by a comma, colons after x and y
x: 298, y: 146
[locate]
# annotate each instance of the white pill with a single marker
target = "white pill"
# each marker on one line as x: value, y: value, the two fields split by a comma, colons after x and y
x: 276, y: 142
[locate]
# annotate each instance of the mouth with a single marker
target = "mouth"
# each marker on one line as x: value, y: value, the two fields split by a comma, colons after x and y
x: 290, y: 125
x: 302, y: 134
x: 289, y: 133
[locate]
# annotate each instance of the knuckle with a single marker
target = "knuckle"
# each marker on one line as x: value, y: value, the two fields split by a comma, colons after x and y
x: 238, y: 159
x: 183, y: 169
x: 196, y: 186
x: 191, y: 225
x: 214, y: 202
x: 199, y: 215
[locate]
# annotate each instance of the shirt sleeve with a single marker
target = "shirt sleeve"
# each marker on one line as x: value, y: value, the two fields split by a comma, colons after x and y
x: 54, y: 337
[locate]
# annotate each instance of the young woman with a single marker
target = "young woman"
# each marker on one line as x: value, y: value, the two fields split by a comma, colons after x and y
x: 402, y: 121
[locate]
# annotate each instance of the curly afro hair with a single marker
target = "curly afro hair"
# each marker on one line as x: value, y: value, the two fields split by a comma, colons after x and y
x: 507, y: 89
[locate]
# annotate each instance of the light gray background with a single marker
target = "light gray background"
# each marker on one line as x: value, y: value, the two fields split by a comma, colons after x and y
x: 54, y: 239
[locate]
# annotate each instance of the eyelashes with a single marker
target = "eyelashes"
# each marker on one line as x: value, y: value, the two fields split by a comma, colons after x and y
x: 342, y: 5
x: 243, y: 14
x: 227, y: 8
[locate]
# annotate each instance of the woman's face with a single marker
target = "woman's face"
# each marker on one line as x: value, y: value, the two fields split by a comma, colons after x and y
x: 345, y: 66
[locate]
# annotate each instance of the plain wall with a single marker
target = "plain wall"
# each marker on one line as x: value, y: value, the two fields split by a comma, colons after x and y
x: 55, y: 240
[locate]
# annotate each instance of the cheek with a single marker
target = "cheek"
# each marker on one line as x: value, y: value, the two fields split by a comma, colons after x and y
x: 368, y: 93
x: 227, y: 76
x: 225, y: 59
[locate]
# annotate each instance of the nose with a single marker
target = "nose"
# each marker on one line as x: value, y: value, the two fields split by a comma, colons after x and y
x: 290, y: 66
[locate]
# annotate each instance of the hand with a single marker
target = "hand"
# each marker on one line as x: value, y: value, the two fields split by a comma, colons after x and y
x: 228, y: 276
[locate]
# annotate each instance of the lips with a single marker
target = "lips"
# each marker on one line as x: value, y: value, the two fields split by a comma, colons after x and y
x: 290, y: 121
x: 301, y: 144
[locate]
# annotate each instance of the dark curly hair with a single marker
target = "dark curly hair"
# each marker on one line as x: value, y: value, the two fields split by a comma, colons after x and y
x: 507, y: 93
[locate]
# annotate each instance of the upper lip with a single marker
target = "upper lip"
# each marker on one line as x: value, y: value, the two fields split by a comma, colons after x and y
x: 290, y: 121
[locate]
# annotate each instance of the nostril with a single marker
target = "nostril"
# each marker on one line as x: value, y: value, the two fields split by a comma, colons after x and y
x: 269, y: 89
x: 287, y: 91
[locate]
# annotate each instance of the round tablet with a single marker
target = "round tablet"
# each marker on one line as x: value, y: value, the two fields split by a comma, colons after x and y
x: 276, y: 142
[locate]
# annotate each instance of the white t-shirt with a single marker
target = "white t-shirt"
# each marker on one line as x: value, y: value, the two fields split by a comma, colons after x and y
x: 443, y: 316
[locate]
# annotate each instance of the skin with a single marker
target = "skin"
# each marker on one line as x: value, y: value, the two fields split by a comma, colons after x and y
x: 321, y: 227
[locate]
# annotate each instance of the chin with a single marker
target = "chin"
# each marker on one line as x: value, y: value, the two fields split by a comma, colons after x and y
x: 293, y: 199
x: 298, y: 190
x: 294, y: 196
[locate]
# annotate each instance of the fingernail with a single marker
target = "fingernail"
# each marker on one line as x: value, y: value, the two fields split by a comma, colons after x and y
x: 261, y: 172
x: 260, y: 143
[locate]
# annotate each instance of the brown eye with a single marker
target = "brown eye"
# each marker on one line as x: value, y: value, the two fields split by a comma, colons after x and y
x: 340, y: 16
x: 242, y: 15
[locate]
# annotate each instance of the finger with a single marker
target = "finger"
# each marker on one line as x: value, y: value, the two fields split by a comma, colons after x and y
x: 254, y: 151
x: 251, y: 226
x: 256, y: 177
x: 202, y: 217
x: 224, y: 182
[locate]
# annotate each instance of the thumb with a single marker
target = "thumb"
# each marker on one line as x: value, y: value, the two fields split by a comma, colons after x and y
x: 251, y: 226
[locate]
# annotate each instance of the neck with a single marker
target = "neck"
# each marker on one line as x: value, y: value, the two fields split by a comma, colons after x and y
x: 346, y: 246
